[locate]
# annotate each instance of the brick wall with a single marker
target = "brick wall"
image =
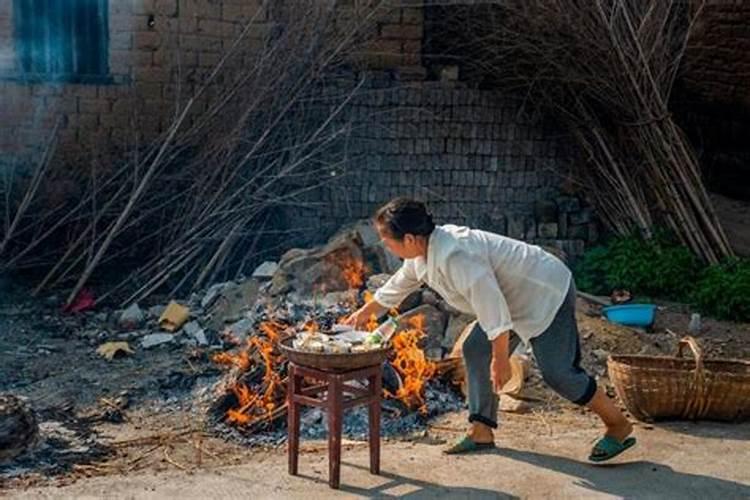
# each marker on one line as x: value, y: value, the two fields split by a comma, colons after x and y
x: 157, y: 49
x: 469, y: 153
x: 147, y: 39
x: 712, y: 97
x: 717, y: 63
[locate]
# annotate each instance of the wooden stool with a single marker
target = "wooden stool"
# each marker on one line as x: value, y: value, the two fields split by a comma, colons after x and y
x: 335, y: 404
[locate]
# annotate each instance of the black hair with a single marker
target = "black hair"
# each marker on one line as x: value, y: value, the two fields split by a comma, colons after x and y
x: 402, y: 216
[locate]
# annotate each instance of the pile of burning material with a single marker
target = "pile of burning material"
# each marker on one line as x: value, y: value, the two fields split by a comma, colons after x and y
x: 253, y: 392
x: 305, y: 300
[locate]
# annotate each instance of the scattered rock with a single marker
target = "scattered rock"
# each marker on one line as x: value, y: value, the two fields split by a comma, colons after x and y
x: 434, y: 353
x: 265, y: 271
x: 456, y: 324
x: 232, y: 302
x: 131, y: 318
x: 156, y: 339
x: 194, y: 331
x: 367, y: 233
x: 447, y: 308
x: 212, y: 294
x: 321, y: 268
x: 241, y: 328
x: 335, y: 298
x: 601, y: 354
x: 128, y: 335
x: 200, y: 338
x: 156, y: 311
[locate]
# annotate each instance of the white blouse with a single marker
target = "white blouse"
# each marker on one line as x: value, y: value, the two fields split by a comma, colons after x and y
x: 507, y: 284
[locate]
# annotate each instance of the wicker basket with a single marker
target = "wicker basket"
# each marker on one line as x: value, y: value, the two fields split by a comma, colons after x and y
x: 655, y: 387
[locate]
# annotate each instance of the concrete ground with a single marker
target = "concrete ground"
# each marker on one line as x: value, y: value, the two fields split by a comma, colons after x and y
x: 679, y: 461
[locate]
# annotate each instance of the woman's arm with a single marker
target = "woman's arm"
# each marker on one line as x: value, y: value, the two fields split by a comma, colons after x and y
x: 390, y: 295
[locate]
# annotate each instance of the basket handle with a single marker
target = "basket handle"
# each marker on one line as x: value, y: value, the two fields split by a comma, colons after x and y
x: 689, y: 341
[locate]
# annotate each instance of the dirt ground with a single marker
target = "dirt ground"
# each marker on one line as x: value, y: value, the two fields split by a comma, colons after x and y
x: 156, y: 446
x: 539, y: 455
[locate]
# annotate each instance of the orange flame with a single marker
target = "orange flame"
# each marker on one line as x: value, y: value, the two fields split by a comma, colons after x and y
x: 241, y: 360
x: 411, y: 364
x: 354, y: 271
x: 253, y: 406
x: 372, y: 323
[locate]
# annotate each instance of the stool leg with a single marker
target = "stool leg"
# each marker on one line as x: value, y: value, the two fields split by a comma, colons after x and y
x: 376, y: 388
x: 293, y: 419
x: 335, y: 413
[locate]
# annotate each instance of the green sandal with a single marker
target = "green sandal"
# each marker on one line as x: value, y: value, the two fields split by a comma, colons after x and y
x: 608, y: 447
x: 467, y: 445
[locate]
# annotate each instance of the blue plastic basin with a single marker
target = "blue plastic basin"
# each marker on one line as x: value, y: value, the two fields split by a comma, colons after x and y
x: 631, y: 314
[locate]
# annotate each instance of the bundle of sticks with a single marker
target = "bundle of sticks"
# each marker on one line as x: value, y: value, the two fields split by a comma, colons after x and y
x: 605, y: 71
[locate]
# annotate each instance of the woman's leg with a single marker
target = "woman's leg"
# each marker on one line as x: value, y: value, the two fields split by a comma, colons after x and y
x: 558, y: 355
x: 477, y: 353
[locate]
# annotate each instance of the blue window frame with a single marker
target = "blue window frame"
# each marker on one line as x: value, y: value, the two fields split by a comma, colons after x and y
x: 62, y: 40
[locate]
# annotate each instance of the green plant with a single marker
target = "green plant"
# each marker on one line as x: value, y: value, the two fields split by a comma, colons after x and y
x: 591, y: 271
x: 655, y: 267
x: 723, y: 290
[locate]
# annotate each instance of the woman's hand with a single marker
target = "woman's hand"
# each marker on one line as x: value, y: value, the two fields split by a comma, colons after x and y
x: 359, y: 318
x: 500, y: 372
x: 500, y: 368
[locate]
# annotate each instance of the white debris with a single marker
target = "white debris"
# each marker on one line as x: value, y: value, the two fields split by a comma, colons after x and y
x: 156, y: 339
x: 131, y: 318
x: 156, y: 311
x: 265, y: 270
x: 241, y: 328
x: 212, y: 294
x: 194, y: 330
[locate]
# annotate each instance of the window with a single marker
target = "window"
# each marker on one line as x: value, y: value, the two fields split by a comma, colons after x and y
x: 62, y: 40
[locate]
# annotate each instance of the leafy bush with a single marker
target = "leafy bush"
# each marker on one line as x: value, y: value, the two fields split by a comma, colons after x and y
x: 591, y: 271
x: 724, y: 290
x: 655, y: 267
x: 663, y: 268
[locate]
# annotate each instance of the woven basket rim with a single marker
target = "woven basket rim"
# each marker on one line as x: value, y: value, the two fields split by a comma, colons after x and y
x: 742, y: 373
x: 621, y: 358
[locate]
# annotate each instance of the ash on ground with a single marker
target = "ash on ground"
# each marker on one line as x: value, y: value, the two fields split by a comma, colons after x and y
x: 64, y: 442
x: 397, y: 421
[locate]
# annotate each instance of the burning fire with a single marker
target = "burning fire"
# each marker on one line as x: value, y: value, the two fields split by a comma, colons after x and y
x: 353, y: 271
x: 263, y: 399
x: 255, y: 406
x: 411, y: 364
